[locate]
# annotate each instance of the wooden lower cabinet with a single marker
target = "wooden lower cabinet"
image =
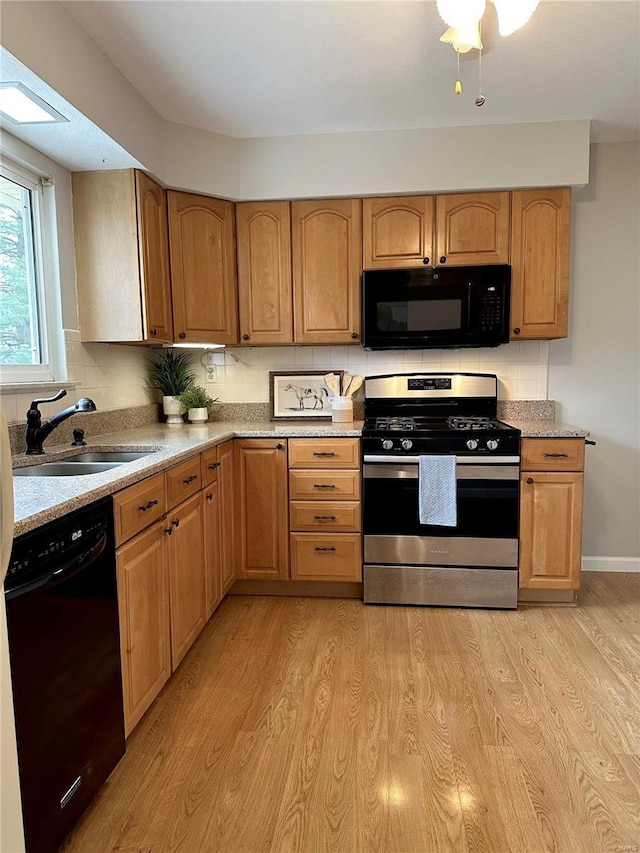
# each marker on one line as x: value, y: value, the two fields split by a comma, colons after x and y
x: 186, y: 576
x: 143, y: 601
x: 261, y: 480
x: 226, y: 479
x: 321, y: 557
x: 551, y: 500
x: 211, y: 525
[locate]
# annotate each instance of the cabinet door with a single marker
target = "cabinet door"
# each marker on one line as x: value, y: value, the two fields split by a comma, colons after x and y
x: 186, y: 576
x: 226, y: 480
x: 153, y: 248
x: 551, y: 530
x: 472, y: 228
x: 541, y: 226
x: 327, y: 264
x: 203, y: 269
x: 261, y: 475
x: 397, y: 232
x: 265, y: 288
x: 211, y: 527
x: 143, y: 603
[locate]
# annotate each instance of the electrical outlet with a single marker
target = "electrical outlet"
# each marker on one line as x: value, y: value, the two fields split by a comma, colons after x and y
x: 210, y: 373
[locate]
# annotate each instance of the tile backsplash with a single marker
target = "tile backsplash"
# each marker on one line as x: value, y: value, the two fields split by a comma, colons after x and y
x: 522, y: 368
x: 114, y: 375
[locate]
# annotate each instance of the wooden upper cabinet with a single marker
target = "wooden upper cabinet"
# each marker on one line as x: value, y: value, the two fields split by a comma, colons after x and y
x: 122, y: 260
x: 541, y: 226
x: 397, y: 232
x: 327, y: 264
x: 203, y: 269
x: 263, y: 521
x: 264, y: 272
x: 472, y: 228
x: 153, y: 246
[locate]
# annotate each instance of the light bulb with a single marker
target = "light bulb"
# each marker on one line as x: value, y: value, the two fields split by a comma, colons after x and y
x: 461, y: 13
x: 464, y: 39
x: 513, y: 14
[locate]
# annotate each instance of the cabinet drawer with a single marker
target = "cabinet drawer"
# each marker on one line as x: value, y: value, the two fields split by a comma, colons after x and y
x: 325, y: 515
x: 324, y: 453
x: 183, y: 481
x: 318, y: 557
x: 210, y: 465
x: 139, y: 506
x: 324, y: 485
x: 552, y: 454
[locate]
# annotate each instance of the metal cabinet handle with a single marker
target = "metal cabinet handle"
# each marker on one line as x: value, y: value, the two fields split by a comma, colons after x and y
x: 168, y: 531
x: 176, y: 522
x: 325, y: 549
x: 425, y: 260
x: 148, y: 506
x: 245, y: 337
x: 209, y: 498
x: 516, y: 331
x: 354, y: 335
x: 190, y: 479
x: 556, y: 455
x: 182, y: 335
x: 324, y: 486
x: 324, y: 453
x: 279, y: 446
x: 443, y: 259
x: 529, y: 481
x: 214, y: 465
x: 592, y: 443
x: 154, y: 332
x: 324, y: 518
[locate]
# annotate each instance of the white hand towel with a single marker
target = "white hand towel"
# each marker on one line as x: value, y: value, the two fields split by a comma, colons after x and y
x: 437, y: 490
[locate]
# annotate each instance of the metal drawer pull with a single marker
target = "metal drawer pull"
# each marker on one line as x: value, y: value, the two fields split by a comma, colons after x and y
x: 556, y: 455
x: 529, y: 480
x: 148, y: 506
x: 324, y: 518
x: 190, y: 479
x: 331, y: 548
x: 209, y: 498
x: 324, y: 485
x: 213, y: 466
x: 324, y: 453
x: 176, y: 522
x: 279, y: 446
x: 592, y: 443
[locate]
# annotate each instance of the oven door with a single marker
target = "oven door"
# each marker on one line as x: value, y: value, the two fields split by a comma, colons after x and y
x: 486, y: 534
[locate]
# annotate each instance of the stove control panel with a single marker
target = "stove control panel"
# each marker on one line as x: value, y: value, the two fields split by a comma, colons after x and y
x: 472, y: 443
x: 406, y: 444
x: 493, y: 443
x: 387, y: 444
x: 429, y: 383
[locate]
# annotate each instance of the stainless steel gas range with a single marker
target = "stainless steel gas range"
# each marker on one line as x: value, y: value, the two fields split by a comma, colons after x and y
x: 473, y: 563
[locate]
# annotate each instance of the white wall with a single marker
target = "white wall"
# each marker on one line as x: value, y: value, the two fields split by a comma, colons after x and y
x: 595, y: 374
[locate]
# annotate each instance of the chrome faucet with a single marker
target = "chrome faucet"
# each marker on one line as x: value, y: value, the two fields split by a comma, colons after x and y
x: 37, y: 431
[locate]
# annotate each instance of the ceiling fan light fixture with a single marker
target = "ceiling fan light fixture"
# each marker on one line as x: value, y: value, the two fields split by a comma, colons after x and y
x: 463, y: 39
x: 461, y: 13
x: 513, y: 14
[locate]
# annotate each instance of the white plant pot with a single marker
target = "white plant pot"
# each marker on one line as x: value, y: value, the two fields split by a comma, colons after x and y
x: 173, y: 410
x: 198, y: 416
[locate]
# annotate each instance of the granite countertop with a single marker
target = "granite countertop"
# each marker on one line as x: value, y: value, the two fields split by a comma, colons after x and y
x: 42, y: 499
x: 547, y: 429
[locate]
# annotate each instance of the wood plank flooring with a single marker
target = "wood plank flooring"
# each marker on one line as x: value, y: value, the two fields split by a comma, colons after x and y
x: 320, y: 725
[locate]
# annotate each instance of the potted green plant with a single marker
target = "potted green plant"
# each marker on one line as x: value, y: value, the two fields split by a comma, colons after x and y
x: 196, y: 401
x: 170, y: 373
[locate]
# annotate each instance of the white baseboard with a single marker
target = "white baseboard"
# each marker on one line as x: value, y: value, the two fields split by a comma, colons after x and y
x: 611, y: 564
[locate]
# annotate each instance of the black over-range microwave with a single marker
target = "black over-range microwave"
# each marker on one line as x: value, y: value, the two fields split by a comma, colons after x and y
x: 441, y: 307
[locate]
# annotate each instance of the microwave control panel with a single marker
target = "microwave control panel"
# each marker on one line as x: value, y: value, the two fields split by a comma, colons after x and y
x: 491, y: 308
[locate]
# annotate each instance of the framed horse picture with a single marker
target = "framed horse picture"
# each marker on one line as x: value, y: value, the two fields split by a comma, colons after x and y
x: 300, y: 394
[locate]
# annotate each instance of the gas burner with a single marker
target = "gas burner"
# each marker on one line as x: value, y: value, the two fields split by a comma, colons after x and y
x: 395, y: 423
x: 471, y: 423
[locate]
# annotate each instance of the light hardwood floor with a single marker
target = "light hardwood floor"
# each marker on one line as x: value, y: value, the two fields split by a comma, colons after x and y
x: 320, y: 725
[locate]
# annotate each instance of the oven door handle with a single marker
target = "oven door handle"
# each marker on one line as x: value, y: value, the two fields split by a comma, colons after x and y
x: 460, y: 460
x: 463, y: 472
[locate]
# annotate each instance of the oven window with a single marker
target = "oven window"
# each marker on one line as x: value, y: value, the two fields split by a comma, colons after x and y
x: 486, y: 509
x: 420, y: 315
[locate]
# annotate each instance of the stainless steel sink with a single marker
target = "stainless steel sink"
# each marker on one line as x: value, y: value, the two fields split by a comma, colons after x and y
x: 65, y: 469
x: 108, y: 456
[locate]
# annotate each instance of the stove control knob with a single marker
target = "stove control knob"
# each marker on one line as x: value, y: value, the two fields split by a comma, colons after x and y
x: 472, y: 444
x: 407, y: 444
x: 492, y: 444
x: 387, y: 444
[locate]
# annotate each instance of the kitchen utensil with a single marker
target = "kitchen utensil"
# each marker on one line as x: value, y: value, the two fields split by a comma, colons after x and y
x: 356, y: 382
x: 333, y: 384
x: 346, y: 379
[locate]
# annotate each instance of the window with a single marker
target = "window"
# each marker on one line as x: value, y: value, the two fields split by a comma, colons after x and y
x: 30, y: 327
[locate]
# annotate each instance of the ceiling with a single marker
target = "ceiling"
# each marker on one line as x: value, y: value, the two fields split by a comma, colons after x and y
x: 272, y: 68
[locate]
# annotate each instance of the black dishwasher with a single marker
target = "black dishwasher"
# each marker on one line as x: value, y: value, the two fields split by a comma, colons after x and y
x: 64, y: 648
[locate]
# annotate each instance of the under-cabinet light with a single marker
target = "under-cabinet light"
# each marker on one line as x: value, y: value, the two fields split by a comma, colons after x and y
x: 193, y: 346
